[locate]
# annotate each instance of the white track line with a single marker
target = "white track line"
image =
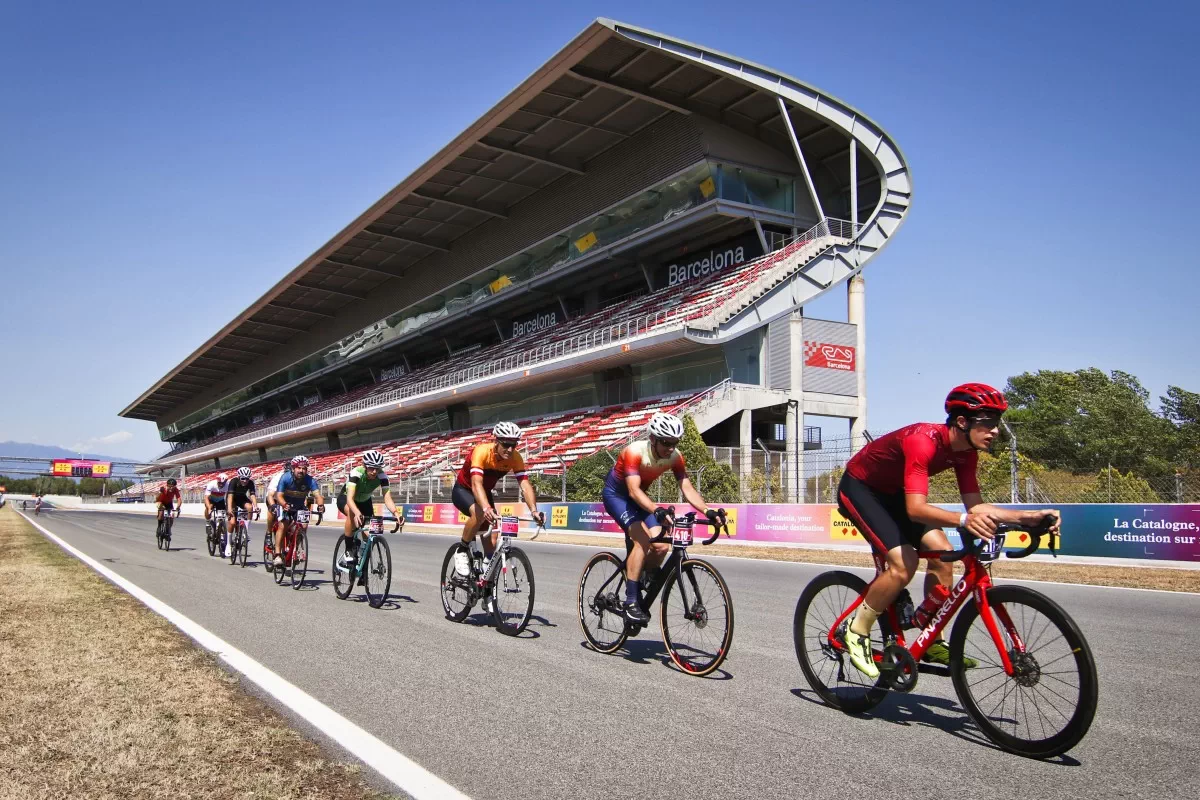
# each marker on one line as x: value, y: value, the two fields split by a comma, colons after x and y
x: 405, y: 773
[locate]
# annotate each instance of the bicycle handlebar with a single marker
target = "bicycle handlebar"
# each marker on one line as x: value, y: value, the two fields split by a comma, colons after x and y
x: 718, y: 527
x: 973, y: 545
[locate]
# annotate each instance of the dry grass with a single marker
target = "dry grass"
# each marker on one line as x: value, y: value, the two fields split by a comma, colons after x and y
x: 102, y: 698
x: 1176, y: 580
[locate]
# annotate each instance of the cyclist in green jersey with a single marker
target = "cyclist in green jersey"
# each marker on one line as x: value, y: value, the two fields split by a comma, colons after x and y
x: 355, y: 499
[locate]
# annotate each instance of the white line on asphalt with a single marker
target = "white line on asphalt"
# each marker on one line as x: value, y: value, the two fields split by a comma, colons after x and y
x: 405, y: 773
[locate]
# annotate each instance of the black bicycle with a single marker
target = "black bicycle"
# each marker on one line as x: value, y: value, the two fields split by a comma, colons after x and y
x: 239, y: 547
x: 163, y: 533
x: 373, y: 567
x: 504, y: 581
x: 216, y: 533
x: 697, y: 611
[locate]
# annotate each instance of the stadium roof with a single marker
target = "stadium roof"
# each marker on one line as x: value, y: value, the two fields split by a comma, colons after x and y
x: 605, y: 86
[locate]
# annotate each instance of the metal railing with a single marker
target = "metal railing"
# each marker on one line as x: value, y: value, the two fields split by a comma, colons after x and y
x: 658, y: 321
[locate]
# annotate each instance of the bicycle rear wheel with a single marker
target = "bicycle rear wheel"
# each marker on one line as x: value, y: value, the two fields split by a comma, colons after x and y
x: 457, y: 598
x: 285, y: 554
x: 236, y: 536
x: 1046, y: 707
x: 697, y: 617
x: 212, y: 541
x: 244, y: 548
x: 158, y: 534
x: 377, y: 571
x: 827, y: 666
x: 268, y: 558
x: 601, y: 589
x: 512, y: 593
x: 299, y: 559
x: 343, y: 576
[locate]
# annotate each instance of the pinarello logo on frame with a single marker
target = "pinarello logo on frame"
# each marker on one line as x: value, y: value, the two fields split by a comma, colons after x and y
x: 829, y: 356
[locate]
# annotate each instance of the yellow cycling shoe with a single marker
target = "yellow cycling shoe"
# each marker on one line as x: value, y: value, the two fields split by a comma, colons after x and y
x: 859, y: 649
x: 939, y: 653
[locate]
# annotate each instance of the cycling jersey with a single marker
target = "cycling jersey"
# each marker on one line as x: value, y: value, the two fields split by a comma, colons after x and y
x: 240, y: 491
x: 905, y: 460
x: 273, y: 486
x: 638, y: 459
x: 484, y: 461
x: 295, y: 491
x: 216, y: 490
x: 167, y: 496
x: 364, y: 487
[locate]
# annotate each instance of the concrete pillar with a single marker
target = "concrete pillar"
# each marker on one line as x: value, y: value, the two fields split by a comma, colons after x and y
x: 746, y: 445
x: 333, y: 441
x: 856, y: 314
x: 792, y: 487
x: 262, y: 454
x: 797, y: 411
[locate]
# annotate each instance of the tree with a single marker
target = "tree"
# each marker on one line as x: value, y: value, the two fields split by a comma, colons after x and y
x: 1181, y: 408
x: 1086, y: 420
x: 1112, y: 487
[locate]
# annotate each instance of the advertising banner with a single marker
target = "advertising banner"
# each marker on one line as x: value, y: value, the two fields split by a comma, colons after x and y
x: 80, y: 468
x: 1157, y: 532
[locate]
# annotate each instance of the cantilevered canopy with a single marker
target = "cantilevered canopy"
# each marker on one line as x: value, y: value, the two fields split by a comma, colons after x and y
x: 605, y: 86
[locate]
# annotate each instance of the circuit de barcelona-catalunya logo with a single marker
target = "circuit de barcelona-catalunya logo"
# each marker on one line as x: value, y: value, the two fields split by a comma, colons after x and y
x: 829, y: 356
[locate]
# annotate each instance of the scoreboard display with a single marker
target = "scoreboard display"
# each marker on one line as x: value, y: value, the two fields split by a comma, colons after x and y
x: 80, y: 468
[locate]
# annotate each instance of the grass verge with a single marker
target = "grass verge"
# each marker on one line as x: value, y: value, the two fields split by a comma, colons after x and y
x: 102, y: 698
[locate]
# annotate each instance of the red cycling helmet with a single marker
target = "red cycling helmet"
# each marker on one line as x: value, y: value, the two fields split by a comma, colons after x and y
x: 971, y: 398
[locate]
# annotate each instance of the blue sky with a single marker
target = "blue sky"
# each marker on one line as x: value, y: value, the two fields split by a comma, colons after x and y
x: 163, y: 164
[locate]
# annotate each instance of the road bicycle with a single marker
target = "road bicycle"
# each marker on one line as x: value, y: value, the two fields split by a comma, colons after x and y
x: 1032, y: 688
x: 504, y: 581
x: 373, y: 568
x: 239, y: 548
x: 163, y: 532
x: 216, y: 530
x: 696, y: 613
x: 294, y: 541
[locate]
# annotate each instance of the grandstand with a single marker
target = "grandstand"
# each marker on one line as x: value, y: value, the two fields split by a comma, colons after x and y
x: 637, y: 226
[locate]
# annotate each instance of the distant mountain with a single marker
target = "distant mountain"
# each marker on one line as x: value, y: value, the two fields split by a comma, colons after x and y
x: 29, y: 450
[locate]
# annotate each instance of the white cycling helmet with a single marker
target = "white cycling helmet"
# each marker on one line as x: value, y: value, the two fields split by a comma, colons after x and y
x: 506, y: 430
x: 372, y: 458
x: 222, y: 477
x: 244, y: 473
x: 666, y: 426
x: 299, y: 461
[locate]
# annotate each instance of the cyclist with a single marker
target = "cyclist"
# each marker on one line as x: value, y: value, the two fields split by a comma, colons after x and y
x: 626, y: 501
x: 291, y: 495
x: 214, y: 500
x: 885, y: 490
x: 166, y: 498
x: 356, y: 504
x: 272, y: 510
x: 472, y: 495
x: 37, y: 506
x: 242, y: 496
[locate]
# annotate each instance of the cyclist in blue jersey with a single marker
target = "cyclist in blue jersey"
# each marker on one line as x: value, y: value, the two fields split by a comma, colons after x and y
x: 292, y: 493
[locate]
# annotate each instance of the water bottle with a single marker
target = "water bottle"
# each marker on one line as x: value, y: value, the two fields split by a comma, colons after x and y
x: 905, y: 610
x: 929, y: 607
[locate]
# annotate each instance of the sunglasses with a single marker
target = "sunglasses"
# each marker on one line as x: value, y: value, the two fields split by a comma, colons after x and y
x: 669, y: 443
x: 985, y: 422
x: 508, y: 443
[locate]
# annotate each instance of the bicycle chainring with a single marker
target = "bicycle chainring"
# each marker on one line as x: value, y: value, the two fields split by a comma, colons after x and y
x: 899, y: 668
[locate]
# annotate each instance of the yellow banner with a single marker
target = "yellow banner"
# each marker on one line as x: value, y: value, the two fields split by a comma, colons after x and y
x: 427, y: 513
x: 586, y: 242
x: 707, y: 188
x: 842, y: 529
x: 558, y: 517
x: 503, y: 282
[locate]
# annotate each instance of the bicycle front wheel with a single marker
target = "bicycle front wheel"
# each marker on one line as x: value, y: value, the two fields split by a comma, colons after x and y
x: 696, y: 617
x: 158, y: 534
x: 212, y: 541
x: 457, y: 599
x: 284, y: 554
x: 826, y: 665
x: 512, y: 593
x: 236, y: 536
x: 377, y: 571
x: 1047, y: 705
x: 244, y: 548
x: 601, y: 589
x: 343, y: 576
x: 299, y: 559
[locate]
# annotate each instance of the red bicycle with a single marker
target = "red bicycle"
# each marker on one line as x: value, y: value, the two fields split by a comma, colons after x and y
x: 1032, y: 688
x: 294, y: 542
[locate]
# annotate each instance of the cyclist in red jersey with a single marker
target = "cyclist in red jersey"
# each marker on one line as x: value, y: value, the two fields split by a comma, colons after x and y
x: 166, y: 498
x: 884, y: 493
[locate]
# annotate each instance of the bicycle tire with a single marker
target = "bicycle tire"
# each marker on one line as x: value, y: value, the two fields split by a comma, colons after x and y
x: 453, y: 586
x: 285, y: 555
x: 1073, y: 651
x: 244, y: 548
x: 378, y: 571
x: 158, y: 534
x: 714, y: 652
x: 212, y: 541
x: 816, y: 657
x: 268, y: 558
x: 597, y: 619
x: 508, y: 582
x: 234, y: 545
x: 343, y: 577
x: 299, y: 560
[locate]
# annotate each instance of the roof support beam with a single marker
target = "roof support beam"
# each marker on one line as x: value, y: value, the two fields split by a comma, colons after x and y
x: 342, y: 292
x: 541, y: 158
x: 808, y: 181
x: 364, y: 268
x: 553, y: 118
x: 629, y: 90
x: 251, y: 338
x: 286, y: 307
x: 455, y: 203
x: 406, y: 240
x: 489, y: 177
x: 287, y: 328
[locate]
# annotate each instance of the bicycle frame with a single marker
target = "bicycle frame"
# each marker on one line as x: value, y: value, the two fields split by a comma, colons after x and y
x: 287, y: 543
x: 673, y: 564
x: 366, y: 543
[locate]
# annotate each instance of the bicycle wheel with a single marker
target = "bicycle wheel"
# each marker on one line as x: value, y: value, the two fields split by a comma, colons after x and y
x: 236, y: 535
x: 697, y: 617
x: 212, y: 541
x: 244, y: 547
x: 158, y: 534
x: 343, y: 576
x: 1046, y: 707
x: 377, y: 572
x: 268, y: 558
x: 826, y: 666
x: 299, y: 559
x: 457, y: 598
x: 601, y: 588
x: 285, y: 553
x: 512, y: 593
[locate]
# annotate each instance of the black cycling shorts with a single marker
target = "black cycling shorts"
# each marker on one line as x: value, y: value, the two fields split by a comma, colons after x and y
x: 464, y: 498
x: 241, y: 500
x: 217, y: 504
x: 367, y: 507
x: 881, y: 518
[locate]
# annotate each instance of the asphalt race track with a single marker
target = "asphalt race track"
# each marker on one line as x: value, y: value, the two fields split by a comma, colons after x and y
x: 544, y: 717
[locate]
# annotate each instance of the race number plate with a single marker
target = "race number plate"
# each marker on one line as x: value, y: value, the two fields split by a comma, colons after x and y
x: 376, y: 525
x: 510, y: 526
x: 302, y: 517
x: 992, y: 550
x: 681, y: 533
x: 219, y: 516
